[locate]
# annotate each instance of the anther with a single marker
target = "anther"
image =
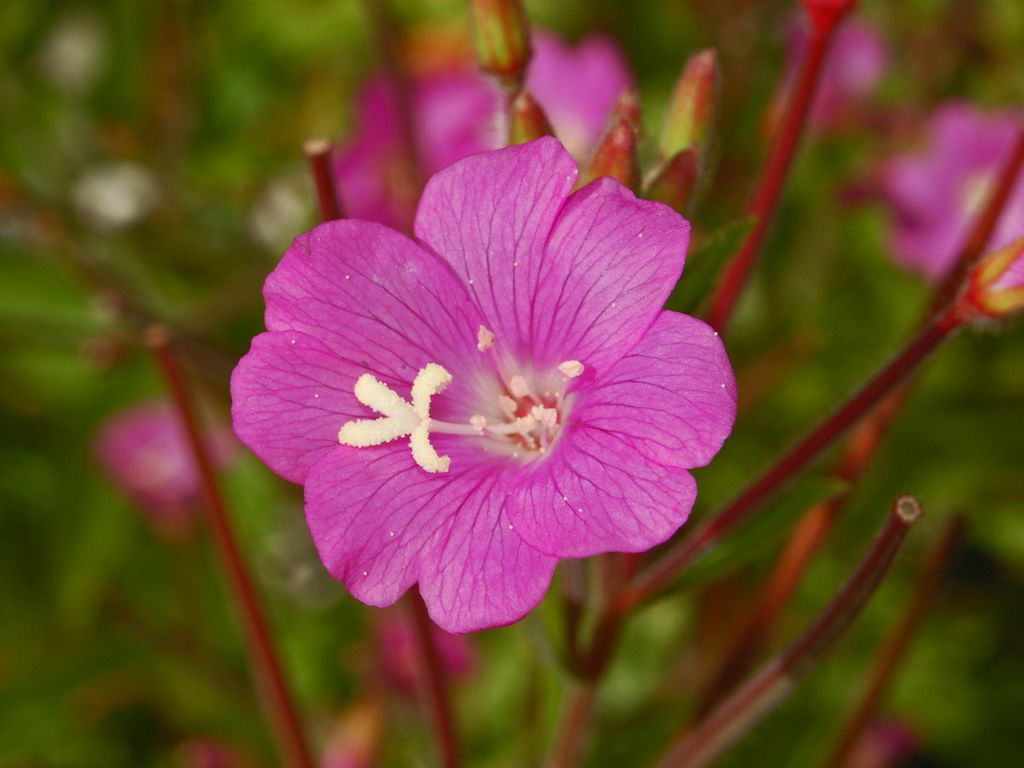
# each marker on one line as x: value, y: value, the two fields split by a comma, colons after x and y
x: 484, y: 338
x: 571, y: 368
x: 518, y: 387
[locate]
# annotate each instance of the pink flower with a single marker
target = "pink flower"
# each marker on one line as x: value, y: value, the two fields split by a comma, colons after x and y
x: 458, y: 112
x: 936, y: 194
x: 506, y: 389
x: 855, y: 66
x: 145, y: 450
x: 399, y: 657
x: 577, y: 86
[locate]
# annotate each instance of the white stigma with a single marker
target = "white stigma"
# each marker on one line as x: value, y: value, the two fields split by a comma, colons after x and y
x: 571, y: 368
x: 399, y: 418
x: 484, y: 339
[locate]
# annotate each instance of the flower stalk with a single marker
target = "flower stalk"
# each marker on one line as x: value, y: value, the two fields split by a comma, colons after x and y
x: 263, y: 656
x: 434, y: 682
x: 318, y: 154
x: 896, y: 644
x: 779, y: 676
x: 860, y: 448
x: 773, y: 178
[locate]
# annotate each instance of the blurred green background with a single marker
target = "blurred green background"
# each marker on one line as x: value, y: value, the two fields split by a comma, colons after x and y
x: 118, y: 647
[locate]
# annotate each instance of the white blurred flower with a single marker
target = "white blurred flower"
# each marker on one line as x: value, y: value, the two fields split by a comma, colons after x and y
x: 281, y: 212
x: 72, y: 55
x: 113, y: 196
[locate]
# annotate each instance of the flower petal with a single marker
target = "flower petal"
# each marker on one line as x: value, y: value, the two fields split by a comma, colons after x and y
x: 595, y: 494
x: 672, y: 398
x: 609, y: 266
x: 377, y: 300
x: 289, y: 397
x: 381, y: 523
x: 488, y: 216
x: 481, y: 573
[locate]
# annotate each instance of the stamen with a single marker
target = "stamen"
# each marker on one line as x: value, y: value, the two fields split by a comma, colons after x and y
x: 478, y: 422
x: 508, y: 405
x: 484, y: 339
x: 571, y: 368
x: 518, y: 387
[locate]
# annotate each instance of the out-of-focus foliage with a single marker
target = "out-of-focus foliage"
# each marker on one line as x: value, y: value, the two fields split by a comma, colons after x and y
x: 117, y: 646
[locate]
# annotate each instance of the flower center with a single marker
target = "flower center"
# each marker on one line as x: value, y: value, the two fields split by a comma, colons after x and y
x: 524, y: 419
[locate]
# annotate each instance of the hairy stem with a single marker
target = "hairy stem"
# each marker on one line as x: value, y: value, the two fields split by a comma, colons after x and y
x: 434, y: 682
x: 777, y: 678
x: 896, y: 645
x: 263, y: 657
x: 769, y: 187
x: 318, y: 154
x: 857, y: 455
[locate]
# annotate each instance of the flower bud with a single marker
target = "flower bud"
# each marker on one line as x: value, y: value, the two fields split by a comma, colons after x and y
x: 527, y: 120
x: 996, y: 286
x: 675, y: 182
x: 616, y: 155
x: 691, y: 110
x: 502, y: 38
x: 825, y: 14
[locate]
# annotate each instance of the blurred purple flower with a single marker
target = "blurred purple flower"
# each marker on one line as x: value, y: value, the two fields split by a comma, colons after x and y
x: 145, y: 451
x: 935, y: 194
x: 885, y: 744
x: 555, y: 408
x: 577, y: 86
x: 398, y: 655
x: 856, y: 63
x: 458, y: 112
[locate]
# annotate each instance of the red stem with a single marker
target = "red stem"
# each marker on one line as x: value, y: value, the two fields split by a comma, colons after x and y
x: 795, y: 459
x: 859, y: 451
x: 318, y: 153
x: 263, y: 657
x: 773, y: 178
x: 777, y: 678
x: 572, y: 733
x: 896, y: 644
x: 434, y: 682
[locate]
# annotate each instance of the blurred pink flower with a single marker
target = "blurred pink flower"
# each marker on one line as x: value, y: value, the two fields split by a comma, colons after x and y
x: 354, y: 740
x: 398, y: 655
x: 457, y: 111
x: 145, y: 451
x: 856, y: 63
x: 208, y: 753
x: 555, y: 409
x: 885, y: 744
x: 936, y: 193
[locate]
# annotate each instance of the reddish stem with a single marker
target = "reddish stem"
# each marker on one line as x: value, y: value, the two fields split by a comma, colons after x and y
x: 860, y: 449
x: 801, y: 547
x: 263, y: 657
x: 748, y: 705
x: 773, y: 177
x: 318, y: 153
x: 434, y: 682
x: 572, y: 734
x: 896, y: 644
x: 795, y: 459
